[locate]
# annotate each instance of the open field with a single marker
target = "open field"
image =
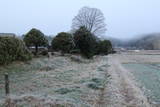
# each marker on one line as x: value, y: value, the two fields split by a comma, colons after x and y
x: 149, y: 77
x: 129, y: 79
x: 144, y: 66
x: 57, y: 81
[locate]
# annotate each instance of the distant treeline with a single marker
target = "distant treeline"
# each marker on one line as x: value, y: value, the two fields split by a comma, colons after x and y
x: 81, y: 42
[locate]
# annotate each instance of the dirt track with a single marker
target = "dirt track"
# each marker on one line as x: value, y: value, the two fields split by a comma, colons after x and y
x: 123, y: 90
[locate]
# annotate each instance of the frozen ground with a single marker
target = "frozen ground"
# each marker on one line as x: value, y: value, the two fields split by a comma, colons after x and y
x: 123, y: 90
x: 65, y: 82
x: 149, y: 77
x: 58, y: 81
x: 144, y: 66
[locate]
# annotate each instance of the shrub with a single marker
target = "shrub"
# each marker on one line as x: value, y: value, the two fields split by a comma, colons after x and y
x: 104, y: 47
x: 63, y: 42
x: 35, y: 38
x: 85, y: 41
x: 12, y: 49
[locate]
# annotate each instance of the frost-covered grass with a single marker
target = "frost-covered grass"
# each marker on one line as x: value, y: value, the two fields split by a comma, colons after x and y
x: 57, y: 79
x: 149, y: 77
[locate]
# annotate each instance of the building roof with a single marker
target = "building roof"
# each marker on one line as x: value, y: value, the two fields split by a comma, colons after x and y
x: 7, y: 34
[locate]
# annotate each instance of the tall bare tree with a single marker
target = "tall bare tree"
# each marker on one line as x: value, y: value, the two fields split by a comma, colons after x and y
x: 92, y: 19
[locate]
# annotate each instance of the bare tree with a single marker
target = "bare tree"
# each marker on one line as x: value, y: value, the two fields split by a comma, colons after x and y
x: 92, y: 19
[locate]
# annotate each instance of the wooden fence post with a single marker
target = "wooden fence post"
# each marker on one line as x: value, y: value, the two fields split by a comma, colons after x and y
x: 6, y: 84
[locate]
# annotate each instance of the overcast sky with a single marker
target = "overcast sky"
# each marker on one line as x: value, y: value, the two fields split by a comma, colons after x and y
x: 124, y: 18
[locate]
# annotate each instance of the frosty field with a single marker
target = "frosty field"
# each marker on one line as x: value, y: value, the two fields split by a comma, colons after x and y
x: 118, y: 80
x: 57, y: 81
x: 145, y: 66
x: 149, y: 77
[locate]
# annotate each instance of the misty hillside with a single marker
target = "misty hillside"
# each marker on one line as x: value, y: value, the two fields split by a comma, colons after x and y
x: 147, y: 42
x: 117, y: 42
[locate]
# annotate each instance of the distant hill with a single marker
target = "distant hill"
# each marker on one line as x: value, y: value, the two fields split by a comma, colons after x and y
x: 146, y: 42
x: 117, y: 42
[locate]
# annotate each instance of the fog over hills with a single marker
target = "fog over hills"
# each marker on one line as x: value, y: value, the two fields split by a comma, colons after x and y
x: 147, y: 42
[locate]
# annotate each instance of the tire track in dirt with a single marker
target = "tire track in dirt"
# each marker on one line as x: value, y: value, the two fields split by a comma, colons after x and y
x: 123, y: 91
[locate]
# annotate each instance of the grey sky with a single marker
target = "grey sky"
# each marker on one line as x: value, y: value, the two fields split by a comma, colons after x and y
x: 124, y: 18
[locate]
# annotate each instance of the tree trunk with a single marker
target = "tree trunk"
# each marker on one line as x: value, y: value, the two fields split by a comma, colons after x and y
x: 36, y: 50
